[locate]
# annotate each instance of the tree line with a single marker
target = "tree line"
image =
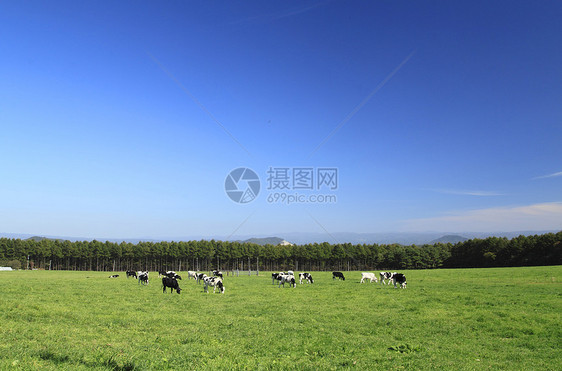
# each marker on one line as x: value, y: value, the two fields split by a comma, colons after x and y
x: 204, y: 255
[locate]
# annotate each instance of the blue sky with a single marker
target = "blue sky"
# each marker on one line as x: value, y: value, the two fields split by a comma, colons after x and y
x: 122, y: 120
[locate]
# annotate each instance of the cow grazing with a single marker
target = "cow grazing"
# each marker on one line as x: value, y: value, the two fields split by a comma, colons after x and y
x: 192, y: 274
x: 201, y: 277
x: 276, y: 277
x: 305, y: 276
x: 216, y: 282
x: 143, y: 278
x: 386, y: 276
x: 114, y: 276
x: 288, y: 278
x: 131, y: 274
x: 400, y: 279
x: 368, y: 276
x: 172, y: 283
x: 338, y: 275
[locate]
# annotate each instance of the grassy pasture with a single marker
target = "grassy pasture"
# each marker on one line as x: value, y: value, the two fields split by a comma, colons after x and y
x: 499, y: 318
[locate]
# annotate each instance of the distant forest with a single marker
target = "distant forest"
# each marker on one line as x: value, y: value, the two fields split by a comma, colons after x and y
x: 545, y: 249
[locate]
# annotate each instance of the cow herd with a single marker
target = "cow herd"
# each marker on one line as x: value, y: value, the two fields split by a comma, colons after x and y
x: 215, y: 280
x: 170, y: 279
x: 386, y: 278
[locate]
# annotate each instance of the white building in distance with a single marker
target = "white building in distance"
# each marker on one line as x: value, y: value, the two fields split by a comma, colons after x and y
x: 286, y: 243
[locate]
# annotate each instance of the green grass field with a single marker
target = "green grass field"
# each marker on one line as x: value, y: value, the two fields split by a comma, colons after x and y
x: 504, y: 318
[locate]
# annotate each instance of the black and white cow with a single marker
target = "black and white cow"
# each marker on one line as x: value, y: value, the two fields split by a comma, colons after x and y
x: 217, y: 273
x: 141, y: 272
x: 276, y: 277
x: 143, y: 277
x: 400, y: 279
x: 172, y: 274
x: 338, y: 275
x: 288, y: 278
x: 114, y: 276
x: 131, y: 274
x: 368, y: 276
x: 172, y: 283
x: 215, y: 282
x: 385, y: 276
x: 201, y: 277
x: 305, y: 276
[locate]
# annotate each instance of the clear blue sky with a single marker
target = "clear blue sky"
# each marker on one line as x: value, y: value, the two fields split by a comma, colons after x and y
x: 123, y: 119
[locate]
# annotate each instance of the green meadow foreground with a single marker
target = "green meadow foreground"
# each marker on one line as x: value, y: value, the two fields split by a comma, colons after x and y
x: 499, y: 318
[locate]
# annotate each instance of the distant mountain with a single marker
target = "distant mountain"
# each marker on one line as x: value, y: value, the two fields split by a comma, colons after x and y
x: 38, y: 238
x: 450, y: 238
x: 265, y: 241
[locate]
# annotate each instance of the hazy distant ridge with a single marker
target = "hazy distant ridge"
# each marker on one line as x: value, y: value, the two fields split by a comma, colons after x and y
x: 264, y: 241
x: 38, y: 238
x: 301, y: 238
x: 450, y: 238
